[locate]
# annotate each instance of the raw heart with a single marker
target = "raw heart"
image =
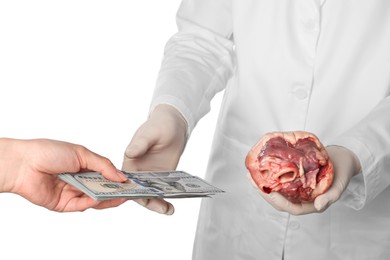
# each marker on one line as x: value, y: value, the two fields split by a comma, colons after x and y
x: 294, y: 164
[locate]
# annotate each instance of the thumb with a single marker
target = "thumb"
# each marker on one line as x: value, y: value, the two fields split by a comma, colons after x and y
x: 98, y: 163
x: 323, y: 201
x: 138, y: 147
x: 339, y: 184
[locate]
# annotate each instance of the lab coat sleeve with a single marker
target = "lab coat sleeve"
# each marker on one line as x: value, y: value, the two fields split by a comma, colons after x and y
x: 369, y: 139
x: 198, y: 60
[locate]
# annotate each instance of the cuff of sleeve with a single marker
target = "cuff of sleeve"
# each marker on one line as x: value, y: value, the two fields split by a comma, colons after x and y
x: 181, y: 108
x: 361, y: 187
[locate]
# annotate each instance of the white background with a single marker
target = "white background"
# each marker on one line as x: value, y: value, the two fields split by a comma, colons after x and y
x: 83, y: 71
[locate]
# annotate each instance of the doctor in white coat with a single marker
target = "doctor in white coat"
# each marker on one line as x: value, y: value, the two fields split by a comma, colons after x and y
x: 285, y: 65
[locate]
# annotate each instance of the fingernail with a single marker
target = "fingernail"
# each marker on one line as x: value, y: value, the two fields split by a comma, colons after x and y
x: 170, y: 210
x: 142, y: 202
x: 321, y: 205
x: 167, y: 210
x: 121, y: 175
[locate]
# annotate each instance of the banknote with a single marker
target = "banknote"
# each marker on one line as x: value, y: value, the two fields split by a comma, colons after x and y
x: 154, y: 184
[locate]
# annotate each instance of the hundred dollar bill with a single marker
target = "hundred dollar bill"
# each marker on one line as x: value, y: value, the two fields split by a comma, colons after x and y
x: 163, y: 184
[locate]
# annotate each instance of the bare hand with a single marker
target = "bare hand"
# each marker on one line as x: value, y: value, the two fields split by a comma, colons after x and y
x: 30, y: 167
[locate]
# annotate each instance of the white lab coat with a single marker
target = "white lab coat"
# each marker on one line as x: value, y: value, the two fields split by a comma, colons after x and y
x: 319, y: 66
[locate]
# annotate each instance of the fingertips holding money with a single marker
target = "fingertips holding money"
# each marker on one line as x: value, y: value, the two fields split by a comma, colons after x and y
x: 157, y: 205
x: 148, y: 185
x: 95, y: 162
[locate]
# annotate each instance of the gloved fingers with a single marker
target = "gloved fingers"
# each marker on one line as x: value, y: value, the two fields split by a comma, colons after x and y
x: 273, y: 199
x: 157, y: 205
x: 144, y: 138
x: 323, y: 201
x: 138, y: 146
x: 346, y: 165
x: 279, y: 202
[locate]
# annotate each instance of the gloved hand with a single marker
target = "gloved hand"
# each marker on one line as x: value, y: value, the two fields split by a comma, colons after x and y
x: 156, y: 146
x: 346, y: 165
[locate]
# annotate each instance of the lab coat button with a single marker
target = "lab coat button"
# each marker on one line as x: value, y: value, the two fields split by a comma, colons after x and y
x: 294, y: 225
x: 301, y: 93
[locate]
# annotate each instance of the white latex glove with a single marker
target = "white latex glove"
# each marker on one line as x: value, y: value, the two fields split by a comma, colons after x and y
x: 346, y: 165
x: 157, y: 145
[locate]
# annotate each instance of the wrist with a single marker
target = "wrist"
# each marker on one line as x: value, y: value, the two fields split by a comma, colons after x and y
x: 10, y: 162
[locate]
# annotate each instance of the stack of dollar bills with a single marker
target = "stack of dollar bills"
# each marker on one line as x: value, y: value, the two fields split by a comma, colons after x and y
x: 164, y: 184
